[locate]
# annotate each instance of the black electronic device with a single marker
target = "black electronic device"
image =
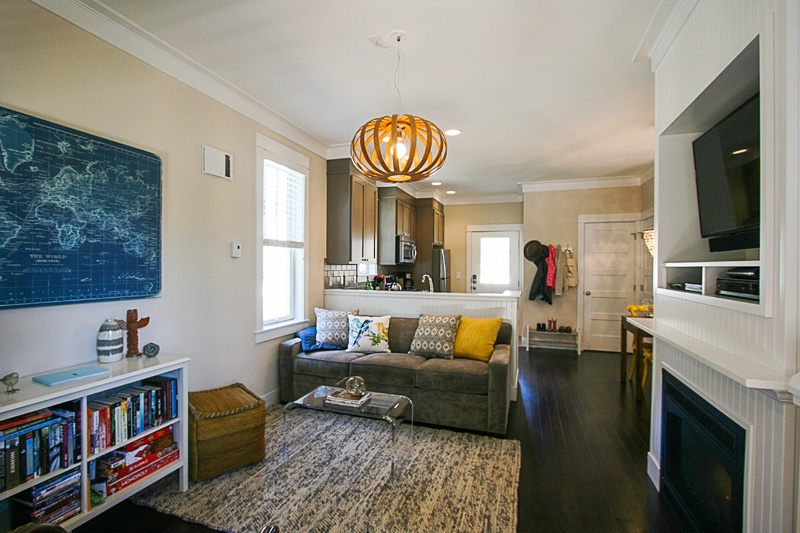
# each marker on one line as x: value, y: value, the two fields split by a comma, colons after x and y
x: 738, y: 288
x: 728, y: 176
x: 743, y: 273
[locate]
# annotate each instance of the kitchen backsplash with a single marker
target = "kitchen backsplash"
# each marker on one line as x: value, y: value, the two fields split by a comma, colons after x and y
x: 337, y: 276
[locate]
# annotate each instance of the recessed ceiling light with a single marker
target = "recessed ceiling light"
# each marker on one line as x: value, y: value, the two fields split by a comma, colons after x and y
x: 452, y: 132
x: 436, y: 183
x: 737, y: 152
x: 451, y: 192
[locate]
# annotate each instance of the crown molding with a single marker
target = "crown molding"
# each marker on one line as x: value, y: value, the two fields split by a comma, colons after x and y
x: 579, y: 184
x: 456, y: 199
x: 338, y: 151
x: 666, y: 24
x: 108, y: 25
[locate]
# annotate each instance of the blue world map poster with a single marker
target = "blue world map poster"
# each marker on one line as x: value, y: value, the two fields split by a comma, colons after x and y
x: 80, y: 216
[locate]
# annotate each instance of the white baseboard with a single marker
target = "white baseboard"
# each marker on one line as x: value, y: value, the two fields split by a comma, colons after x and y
x: 654, y: 470
x: 272, y: 397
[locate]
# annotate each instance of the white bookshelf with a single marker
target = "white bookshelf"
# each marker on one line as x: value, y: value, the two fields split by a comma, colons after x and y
x: 125, y: 373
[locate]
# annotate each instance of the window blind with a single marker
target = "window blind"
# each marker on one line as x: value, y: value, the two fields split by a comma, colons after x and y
x: 284, y: 206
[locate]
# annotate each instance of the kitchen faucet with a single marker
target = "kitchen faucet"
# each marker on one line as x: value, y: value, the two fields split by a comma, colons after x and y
x: 430, y: 282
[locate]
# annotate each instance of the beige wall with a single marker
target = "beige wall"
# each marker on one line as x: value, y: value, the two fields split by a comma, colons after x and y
x: 552, y: 218
x: 206, y: 310
x: 456, y: 220
x: 648, y: 193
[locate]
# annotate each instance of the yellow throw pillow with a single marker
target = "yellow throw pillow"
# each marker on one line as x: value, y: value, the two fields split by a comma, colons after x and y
x: 475, y: 338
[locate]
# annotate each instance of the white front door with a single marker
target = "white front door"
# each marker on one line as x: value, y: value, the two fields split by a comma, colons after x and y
x: 607, y: 281
x: 494, y: 261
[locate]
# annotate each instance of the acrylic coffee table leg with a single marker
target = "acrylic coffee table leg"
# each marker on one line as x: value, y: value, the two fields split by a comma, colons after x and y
x: 286, y: 409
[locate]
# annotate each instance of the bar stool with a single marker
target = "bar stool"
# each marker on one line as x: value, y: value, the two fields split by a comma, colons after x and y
x: 647, y: 347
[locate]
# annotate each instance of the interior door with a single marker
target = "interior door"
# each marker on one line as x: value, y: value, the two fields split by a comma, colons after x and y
x: 494, y: 261
x: 607, y: 281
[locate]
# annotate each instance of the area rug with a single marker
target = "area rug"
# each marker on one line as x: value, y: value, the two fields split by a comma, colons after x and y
x: 338, y: 480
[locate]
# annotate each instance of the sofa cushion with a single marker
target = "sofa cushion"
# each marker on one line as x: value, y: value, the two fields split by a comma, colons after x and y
x: 401, y: 333
x: 332, y: 326
x: 454, y: 375
x: 368, y: 334
x: 435, y: 336
x: 398, y: 369
x: 326, y: 364
x: 476, y: 338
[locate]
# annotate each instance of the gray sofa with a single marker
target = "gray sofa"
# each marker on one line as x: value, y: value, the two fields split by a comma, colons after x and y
x: 460, y: 393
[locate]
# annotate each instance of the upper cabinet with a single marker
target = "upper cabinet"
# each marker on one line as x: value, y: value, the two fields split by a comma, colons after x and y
x: 352, y: 215
x: 438, y: 224
x: 398, y: 216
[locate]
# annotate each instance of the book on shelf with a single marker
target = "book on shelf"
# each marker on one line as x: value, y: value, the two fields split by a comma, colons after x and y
x: 53, y: 501
x: 169, y: 394
x: 21, y: 422
x: 343, y: 398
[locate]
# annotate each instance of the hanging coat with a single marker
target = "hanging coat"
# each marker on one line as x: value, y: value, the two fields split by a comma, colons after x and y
x: 539, y: 288
x: 551, y: 266
x: 560, y: 268
x: 571, y: 267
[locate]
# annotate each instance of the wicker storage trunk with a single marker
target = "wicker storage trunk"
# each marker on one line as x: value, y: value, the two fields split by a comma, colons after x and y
x: 226, y: 430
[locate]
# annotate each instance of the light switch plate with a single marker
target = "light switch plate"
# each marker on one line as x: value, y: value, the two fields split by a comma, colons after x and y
x: 236, y: 249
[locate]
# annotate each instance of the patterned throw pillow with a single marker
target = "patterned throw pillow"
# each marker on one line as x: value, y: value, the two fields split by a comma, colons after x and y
x: 369, y: 334
x: 332, y: 326
x: 435, y: 336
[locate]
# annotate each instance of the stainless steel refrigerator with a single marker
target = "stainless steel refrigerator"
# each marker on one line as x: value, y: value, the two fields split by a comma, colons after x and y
x: 441, y: 269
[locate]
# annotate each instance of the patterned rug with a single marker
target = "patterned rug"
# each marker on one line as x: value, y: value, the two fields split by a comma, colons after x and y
x: 338, y: 480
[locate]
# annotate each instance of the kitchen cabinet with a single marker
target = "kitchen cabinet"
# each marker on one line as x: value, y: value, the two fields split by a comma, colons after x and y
x: 438, y: 224
x: 352, y: 215
x: 397, y: 215
x: 430, y: 233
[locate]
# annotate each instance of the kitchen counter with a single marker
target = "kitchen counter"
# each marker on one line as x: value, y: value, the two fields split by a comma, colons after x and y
x: 414, y: 303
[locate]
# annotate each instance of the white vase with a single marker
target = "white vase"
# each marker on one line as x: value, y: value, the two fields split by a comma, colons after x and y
x: 109, y: 342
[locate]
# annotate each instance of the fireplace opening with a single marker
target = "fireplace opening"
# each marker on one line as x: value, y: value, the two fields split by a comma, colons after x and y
x: 702, y: 463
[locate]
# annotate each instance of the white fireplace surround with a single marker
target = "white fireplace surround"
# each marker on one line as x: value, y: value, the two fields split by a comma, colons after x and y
x: 767, y: 416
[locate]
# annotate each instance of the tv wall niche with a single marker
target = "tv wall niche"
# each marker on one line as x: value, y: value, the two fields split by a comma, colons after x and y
x: 80, y: 216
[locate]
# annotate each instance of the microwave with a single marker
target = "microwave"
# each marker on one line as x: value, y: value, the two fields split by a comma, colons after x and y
x: 406, y: 250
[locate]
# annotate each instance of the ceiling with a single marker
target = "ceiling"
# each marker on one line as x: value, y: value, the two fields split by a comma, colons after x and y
x: 542, y: 90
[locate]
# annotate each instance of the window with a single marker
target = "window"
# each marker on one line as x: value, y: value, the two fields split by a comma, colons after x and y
x: 282, y: 237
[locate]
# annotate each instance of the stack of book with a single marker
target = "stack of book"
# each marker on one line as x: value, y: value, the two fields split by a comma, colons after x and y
x: 38, y: 443
x: 117, y: 417
x: 53, y: 501
x: 118, y: 469
x: 343, y: 398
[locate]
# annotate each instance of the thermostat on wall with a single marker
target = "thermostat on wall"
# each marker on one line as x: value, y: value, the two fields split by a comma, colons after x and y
x: 217, y: 163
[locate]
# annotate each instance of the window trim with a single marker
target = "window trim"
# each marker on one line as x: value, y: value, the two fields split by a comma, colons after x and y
x: 283, y: 155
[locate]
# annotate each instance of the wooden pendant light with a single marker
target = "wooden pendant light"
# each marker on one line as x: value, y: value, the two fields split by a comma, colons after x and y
x: 398, y: 148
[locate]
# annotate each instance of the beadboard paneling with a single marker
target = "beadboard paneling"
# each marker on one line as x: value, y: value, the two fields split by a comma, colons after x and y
x: 770, y: 426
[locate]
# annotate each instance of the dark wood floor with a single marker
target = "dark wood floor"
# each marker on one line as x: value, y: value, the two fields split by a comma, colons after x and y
x: 584, y: 447
x: 584, y: 454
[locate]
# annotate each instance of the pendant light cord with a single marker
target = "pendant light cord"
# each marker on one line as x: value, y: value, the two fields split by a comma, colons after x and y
x: 397, y: 76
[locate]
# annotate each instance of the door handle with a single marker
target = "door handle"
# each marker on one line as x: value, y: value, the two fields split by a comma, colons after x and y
x: 588, y: 293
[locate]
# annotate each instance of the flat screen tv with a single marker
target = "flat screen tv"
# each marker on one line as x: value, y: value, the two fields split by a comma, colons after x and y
x: 728, y: 174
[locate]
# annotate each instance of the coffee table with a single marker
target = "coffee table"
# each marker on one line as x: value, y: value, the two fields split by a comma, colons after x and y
x: 392, y: 408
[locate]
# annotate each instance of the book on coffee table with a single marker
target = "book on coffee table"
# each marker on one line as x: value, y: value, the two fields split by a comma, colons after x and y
x: 343, y: 398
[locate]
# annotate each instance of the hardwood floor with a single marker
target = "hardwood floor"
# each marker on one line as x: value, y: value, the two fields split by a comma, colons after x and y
x: 584, y: 454
x: 584, y: 447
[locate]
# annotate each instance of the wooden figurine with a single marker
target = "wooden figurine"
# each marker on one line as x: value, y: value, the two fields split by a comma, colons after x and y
x: 133, y: 323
